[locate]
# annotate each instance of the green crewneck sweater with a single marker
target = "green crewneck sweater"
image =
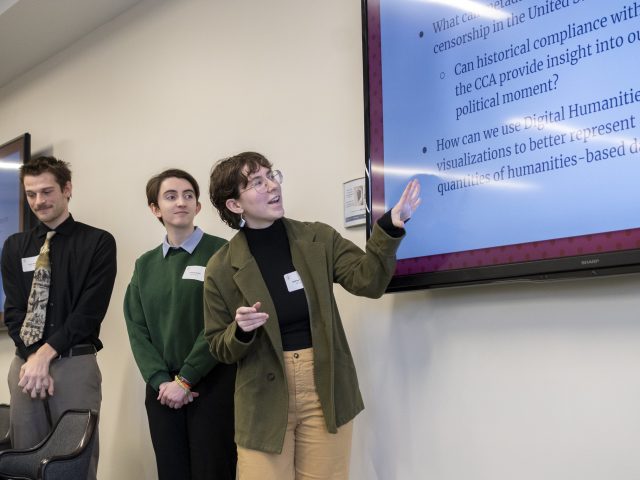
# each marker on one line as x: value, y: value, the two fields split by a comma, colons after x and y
x: 164, y: 316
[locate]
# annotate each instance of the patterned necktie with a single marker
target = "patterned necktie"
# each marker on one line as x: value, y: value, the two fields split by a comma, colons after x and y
x: 33, y: 325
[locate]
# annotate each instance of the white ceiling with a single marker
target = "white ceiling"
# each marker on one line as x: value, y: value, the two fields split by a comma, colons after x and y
x: 31, y: 31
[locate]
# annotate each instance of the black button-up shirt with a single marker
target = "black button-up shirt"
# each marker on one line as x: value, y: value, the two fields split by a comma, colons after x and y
x: 83, y: 271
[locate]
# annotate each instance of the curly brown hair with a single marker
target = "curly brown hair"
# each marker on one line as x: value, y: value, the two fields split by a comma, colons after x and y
x: 228, y: 176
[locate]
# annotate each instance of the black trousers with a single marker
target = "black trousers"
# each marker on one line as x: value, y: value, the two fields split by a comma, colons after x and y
x: 196, y: 441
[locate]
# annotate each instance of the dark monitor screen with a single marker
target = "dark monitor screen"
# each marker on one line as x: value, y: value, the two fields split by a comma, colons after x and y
x: 521, y: 120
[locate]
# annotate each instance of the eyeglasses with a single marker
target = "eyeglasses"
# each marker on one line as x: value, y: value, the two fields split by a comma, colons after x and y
x: 260, y: 184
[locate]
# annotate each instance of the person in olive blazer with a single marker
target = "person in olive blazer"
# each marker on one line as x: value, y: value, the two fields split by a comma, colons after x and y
x: 248, y: 319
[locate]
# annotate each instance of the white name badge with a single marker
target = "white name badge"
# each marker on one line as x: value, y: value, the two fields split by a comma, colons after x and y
x: 193, y: 272
x: 29, y: 264
x: 293, y: 281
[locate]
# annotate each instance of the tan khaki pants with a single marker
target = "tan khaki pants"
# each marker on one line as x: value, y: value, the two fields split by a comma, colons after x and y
x: 310, y: 451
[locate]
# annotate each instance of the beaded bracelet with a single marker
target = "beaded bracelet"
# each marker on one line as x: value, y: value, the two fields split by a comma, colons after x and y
x: 185, y: 381
x: 184, y: 384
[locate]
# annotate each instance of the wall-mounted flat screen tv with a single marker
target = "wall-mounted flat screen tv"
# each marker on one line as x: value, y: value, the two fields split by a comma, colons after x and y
x: 521, y: 119
x: 12, y: 203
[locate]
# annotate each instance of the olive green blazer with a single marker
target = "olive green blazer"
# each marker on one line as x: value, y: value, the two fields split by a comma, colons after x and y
x: 321, y: 257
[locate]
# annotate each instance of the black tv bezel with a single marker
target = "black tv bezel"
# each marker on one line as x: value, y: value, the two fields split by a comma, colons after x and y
x: 562, y: 268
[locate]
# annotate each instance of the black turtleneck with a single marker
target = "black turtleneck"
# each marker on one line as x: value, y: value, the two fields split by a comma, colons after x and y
x: 270, y: 247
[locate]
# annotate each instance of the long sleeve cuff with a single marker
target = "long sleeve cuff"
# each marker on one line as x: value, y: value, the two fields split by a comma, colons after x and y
x: 244, y: 337
x: 159, y: 378
x: 389, y: 228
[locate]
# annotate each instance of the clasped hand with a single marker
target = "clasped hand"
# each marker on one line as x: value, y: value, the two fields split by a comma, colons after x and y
x: 174, y: 396
x: 34, y: 378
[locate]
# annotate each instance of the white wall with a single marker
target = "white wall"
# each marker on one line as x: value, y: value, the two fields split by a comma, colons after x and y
x: 521, y: 381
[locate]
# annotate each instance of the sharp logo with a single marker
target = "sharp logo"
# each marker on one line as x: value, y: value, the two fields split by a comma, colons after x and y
x: 590, y: 262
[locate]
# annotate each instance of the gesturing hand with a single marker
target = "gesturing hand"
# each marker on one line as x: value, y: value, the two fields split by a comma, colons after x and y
x: 408, y: 203
x: 249, y: 318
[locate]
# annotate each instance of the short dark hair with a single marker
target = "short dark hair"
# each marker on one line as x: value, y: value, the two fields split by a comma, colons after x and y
x: 154, y: 183
x: 227, y: 178
x: 42, y: 164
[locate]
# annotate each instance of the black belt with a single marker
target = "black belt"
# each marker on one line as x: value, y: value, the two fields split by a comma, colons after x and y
x: 79, y: 350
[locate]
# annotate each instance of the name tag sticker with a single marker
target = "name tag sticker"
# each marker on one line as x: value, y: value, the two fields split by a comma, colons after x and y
x: 193, y: 272
x: 293, y: 281
x: 29, y: 264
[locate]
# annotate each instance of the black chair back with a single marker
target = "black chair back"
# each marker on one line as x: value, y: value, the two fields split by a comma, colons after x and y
x: 64, y: 454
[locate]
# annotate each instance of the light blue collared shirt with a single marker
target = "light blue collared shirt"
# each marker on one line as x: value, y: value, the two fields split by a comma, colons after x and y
x: 189, y: 244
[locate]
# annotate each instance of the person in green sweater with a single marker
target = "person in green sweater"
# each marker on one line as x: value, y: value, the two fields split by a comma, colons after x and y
x: 189, y: 395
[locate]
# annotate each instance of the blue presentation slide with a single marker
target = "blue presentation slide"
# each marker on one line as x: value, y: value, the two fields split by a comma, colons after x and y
x: 520, y: 118
x: 9, y: 203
